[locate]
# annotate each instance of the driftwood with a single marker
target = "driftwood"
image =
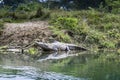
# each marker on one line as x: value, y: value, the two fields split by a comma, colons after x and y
x: 58, y: 46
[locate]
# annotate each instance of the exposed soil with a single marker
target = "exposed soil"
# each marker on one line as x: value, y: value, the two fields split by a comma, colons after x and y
x: 24, y: 33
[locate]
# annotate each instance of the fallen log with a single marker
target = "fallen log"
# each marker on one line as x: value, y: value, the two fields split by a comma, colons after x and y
x: 59, y: 46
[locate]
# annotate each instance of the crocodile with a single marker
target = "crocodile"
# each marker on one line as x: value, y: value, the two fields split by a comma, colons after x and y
x: 59, y: 46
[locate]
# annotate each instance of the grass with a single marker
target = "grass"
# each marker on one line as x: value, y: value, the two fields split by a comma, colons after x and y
x: 1, y: 27
x: 90, y: 26
x: 60, y: 35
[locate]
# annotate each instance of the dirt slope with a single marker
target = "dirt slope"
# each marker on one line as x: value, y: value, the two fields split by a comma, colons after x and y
x: 24, y: 33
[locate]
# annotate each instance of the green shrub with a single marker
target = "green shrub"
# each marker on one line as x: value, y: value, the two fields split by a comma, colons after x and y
x: 1, y: 24
x: 60, y: 35
x: 3, y: 12
x: 83, y: 28
x: 21, y: 12
x: 71, y: 24
x: 23, y: 7
x: 67, y: 23
x: 21, y: 15
x: 111, y: 18
x: 39, y: 12
x: 107, y: 26
x: 29, y: 7
x: 33, y: 9
x: 7, y: 20
x: 118, y: 51
x: 114, y: 33
x: 107, y: 44
x: 46, y: 14
x: 1, y: 27
x: 95, y: 37
x: 114, y: 4
x: 32, y: 51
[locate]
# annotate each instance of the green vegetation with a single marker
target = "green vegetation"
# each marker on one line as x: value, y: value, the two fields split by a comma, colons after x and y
x: 60, y: 35
x: 23, y: 12
x: 32, y: 51
x: 1, y: 27
x: 89, y: 26
x: 1, y: 24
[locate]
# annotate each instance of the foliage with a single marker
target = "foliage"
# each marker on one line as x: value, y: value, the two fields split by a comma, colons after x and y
x: 71, y: 23
x: 1, y: 24
x: 114, y: 33
x: 4, y: 11
x: 32, y: 51
x: 114, y: 5
x: 95, y: 37
x: 89, y: 26
x: 1, y: 27
x: 60, y: 35
x: 28, y: 7
x: 66, y: 23
x: 107, y: 44
x: 21, y: 15
x: 118, y: 51
x: 34, y: 10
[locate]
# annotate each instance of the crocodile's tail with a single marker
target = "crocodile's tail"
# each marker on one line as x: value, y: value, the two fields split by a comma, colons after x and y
x: 77, y: 48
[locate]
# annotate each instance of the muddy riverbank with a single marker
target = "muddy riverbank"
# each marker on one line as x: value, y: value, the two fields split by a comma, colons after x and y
x: 23, y: 33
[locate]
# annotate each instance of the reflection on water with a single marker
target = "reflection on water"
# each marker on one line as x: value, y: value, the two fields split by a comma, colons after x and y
x: 58, y: 55
x: 61, y: 66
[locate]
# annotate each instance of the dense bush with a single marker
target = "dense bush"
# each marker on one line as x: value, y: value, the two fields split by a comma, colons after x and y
x: 24, y: 12
x: 60, y: 35
x: 4, y: 11
x: 1, y: 27
x: 66, y: 23
x: 113, y: 5
x: 1, y: 24
x: 34, y: 10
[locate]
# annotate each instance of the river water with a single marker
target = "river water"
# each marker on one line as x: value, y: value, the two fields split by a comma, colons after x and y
x: 60, y: 66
